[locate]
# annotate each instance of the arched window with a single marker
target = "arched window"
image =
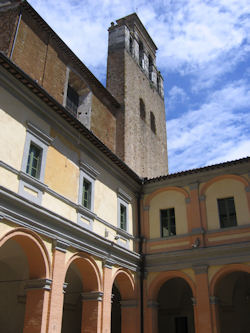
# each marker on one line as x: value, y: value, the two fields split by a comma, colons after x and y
x: 142, y: 110
x: 152, y: 122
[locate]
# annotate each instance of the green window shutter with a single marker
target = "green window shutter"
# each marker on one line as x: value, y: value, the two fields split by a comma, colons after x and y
x: 34, y: 161
x: 86, y: 194
x: 227, y: 213
x: 123, y: 217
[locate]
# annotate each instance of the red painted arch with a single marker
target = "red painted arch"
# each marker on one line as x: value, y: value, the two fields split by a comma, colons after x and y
x: 91, y: 277
x: 34, y: 249
x: 125, y: 283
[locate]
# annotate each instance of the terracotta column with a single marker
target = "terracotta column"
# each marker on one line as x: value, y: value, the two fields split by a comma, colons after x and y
x: 203, y: 316
x: 152, y: 317
x: 57, y: 293
x: 129, y: 314
x: 91, y: 312
x: 106, y: 303
x: 214, y: 301
x: 36, y: 310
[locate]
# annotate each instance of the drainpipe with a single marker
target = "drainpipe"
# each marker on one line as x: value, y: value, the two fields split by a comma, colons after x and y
x: 142, y: 258
x: 16, y: 32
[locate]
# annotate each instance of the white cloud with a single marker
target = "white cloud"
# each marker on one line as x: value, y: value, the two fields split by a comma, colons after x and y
x: 176, y: 96
x: 217, y: 131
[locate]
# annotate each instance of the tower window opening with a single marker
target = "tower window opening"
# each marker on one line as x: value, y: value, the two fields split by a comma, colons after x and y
x: 141, y: 53
x: 150, y: 67
x: 158, y: 83
x: 72, y: 101
x: 131, y: 45
x: 152, y: 122
x: 142, y: 110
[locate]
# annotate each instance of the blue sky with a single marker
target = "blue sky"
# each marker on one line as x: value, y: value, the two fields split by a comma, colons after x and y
x: 203, y: 55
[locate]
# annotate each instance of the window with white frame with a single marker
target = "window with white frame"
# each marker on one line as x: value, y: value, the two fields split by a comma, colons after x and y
x: 33, y: 163
x: 123, y: 205
x: 88, y: 176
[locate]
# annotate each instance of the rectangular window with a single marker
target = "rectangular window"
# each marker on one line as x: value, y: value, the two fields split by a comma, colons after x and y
x: 86, y: 193
x: 34, y: 161
x: 123, y: 217
x: 168, y: 222
x: 227, y: 213
x: 72, y: 100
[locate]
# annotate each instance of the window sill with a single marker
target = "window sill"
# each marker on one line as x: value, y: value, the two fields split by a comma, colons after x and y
x: 31, y: 188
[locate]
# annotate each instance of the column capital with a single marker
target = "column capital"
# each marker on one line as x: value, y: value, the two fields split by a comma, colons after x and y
x: 214, y: 300
x: 193, y: 186
x: 146, y: 208
x: 38, y: 284
x: 92, y: 296
x: 129, y: 303
x: 65, y: 285
x: 202, y: 197
x: 247, y: 188
x: 200, y: 269
x: 187, y: 200
x: 194, y: 301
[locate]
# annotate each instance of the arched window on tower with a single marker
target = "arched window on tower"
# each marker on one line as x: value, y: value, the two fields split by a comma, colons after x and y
x: 142, y: 110
x: 150, y: 67
x: 152, y: 122
x: 141, y: 54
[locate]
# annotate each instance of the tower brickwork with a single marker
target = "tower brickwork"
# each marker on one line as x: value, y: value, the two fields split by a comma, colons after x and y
x: 132, y: 77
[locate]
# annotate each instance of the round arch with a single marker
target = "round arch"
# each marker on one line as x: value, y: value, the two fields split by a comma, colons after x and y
x: 216, y: 179
x: 85, y: 263
x: 225, y: 271
x: 34, y: 249
x: 163, y: 278
x: 125, y: 283
x: 165, y: 189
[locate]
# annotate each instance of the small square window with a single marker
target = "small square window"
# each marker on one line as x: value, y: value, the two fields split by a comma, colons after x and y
x: 227, y: 213
x: 168, y: 222
x: 123, y: 217
x: 34, y: 161
x: 86, y: 193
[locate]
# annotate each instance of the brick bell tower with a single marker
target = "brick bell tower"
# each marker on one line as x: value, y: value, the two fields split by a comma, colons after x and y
x: 133, y: 79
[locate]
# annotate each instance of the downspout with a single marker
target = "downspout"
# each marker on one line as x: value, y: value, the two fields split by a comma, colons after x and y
x: 140, y: 249
x: 16, y: 32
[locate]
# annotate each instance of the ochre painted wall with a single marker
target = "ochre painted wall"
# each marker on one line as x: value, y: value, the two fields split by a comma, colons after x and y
x: 223, y: 189
x: 164, y: 200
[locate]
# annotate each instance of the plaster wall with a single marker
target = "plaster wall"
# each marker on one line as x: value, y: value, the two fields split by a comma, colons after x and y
x: 165, y: 200
x: 223, y: 189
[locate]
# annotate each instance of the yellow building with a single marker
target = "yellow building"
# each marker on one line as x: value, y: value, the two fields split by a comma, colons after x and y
x: 86, y: 243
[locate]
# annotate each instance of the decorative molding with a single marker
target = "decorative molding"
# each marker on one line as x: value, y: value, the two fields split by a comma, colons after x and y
x: 193, y: 186
x: 152, y: 304
x: 85, y: 212
x: 197, y: 231
x: 32, y: 181
x: 30, y: 215
x: 92, y: 296
x: 89, y: 170
x: 247, y: 188
x: 60, y: 245
x: 202, y: 197
x: 8, y: 167
x: 107, y: 264
x: 214, y: 300
x: 194, y: 301
x: 38, y: 284
x: 65, y: 285
x: 130, y: 303
x: 40, y: 135
x: 200, y: 269
x: 123, y: 195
